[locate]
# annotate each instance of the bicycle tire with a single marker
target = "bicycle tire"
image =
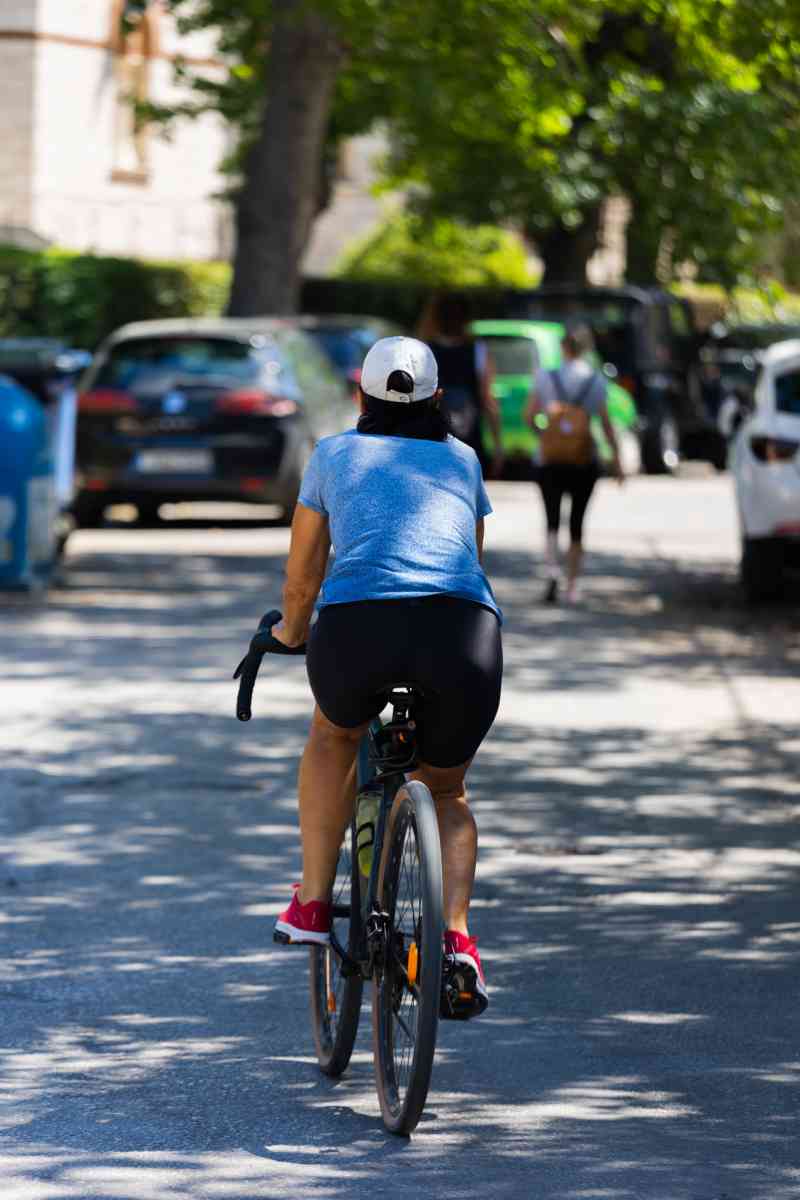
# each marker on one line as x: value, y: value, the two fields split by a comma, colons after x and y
x: 403, y: 1075
x: 336, y: 998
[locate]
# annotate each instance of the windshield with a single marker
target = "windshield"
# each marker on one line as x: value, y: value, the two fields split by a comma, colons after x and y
x: 512, y: 355
x: 787, y: 393
x: 145, y: 360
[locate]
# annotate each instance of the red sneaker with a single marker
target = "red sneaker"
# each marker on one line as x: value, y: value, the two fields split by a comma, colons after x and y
x: 303, y: 924
x: 464, y: 992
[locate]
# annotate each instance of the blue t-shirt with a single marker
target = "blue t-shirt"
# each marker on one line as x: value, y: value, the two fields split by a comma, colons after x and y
x: 402, y: 514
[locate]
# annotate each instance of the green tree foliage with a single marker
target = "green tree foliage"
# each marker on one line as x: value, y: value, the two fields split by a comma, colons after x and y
x: 533, y: 113
x: 438, y: 253
x: 84, y: 297
x: 388, y: 54
x: 688, y: 107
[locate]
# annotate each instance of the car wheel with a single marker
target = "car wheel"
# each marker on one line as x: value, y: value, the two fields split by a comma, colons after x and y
x: 88, y: 511
x: 661, y: 445
x: 761, y: 568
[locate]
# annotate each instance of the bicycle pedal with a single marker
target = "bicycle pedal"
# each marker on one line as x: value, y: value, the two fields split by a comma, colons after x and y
x: 460, y: 999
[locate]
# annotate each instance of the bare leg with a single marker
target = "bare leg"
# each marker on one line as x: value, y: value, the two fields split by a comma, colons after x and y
x: 327, y: 794
x: 574, y: 562
x: 459, y: 837
x: 551, y: 555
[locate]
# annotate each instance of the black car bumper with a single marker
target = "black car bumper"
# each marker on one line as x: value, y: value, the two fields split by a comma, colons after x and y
x: 261, y: 467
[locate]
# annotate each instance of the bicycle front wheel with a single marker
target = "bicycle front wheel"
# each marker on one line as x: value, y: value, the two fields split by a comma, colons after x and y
x: 406, y: 994
x: 336, y: 996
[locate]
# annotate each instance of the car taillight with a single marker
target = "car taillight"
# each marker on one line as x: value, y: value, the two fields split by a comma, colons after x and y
x: 773, y: 450
x: 252, y: 402
x: 106, y: 400
x: 625, y: 381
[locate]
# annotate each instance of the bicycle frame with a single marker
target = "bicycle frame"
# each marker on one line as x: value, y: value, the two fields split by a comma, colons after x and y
x: 386, y: 753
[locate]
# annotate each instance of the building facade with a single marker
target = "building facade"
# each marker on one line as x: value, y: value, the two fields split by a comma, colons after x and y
x: 75, y: 170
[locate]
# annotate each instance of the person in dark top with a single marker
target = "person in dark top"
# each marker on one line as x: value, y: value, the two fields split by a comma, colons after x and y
x: 465, y: 375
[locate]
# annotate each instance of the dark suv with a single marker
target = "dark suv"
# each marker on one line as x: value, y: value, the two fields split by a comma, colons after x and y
x: 649, y: 338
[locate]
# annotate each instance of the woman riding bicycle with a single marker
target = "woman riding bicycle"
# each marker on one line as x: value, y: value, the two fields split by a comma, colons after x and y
x: 402, y: 502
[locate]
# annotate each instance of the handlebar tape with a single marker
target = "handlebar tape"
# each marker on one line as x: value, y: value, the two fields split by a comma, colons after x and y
x: 261, y: 643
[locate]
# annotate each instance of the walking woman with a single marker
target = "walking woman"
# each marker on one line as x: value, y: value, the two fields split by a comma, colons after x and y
x: 465, y: 376
x: 567, y: 399
x: 402, y: 502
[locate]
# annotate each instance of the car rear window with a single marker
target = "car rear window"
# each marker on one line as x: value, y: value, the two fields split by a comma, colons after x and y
x: 787, y: 393
x: 512, y: 355
x: 140, y: 359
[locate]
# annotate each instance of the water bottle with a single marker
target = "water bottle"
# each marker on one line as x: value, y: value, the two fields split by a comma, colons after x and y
x: 368, y: 804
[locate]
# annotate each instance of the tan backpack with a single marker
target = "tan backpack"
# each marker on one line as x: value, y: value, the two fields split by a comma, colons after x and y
x: 567, y: 439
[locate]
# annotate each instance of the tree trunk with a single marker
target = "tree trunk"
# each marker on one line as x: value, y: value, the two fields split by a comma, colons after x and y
x: 566, y: 252
x: 278, y: 200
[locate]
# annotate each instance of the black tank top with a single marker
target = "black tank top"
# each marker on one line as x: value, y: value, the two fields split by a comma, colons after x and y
x: 458, y: 378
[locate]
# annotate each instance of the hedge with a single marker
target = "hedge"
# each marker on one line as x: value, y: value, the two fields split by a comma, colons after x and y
x: 83, y: 297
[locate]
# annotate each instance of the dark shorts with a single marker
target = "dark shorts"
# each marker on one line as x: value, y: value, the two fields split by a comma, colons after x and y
x: 449, y: 648
x: 558, y: 480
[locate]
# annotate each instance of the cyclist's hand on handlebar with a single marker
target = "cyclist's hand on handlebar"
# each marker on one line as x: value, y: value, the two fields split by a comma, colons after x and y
x: 279, y: 634
x: 263, y: 642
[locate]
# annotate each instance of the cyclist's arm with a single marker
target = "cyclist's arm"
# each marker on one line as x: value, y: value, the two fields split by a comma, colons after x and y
x: 305, y: 571
x: 479, y: 532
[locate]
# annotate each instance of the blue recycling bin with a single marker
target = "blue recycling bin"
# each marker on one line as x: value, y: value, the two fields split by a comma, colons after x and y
x: 28, y: 501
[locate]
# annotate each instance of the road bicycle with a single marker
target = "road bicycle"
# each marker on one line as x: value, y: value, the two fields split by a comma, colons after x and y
x: 387, y: 921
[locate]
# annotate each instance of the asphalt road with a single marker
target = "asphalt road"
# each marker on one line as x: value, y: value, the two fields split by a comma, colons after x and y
x: 638, y: 902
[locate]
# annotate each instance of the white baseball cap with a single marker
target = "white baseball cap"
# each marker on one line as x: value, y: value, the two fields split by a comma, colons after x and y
x: 399, y: 354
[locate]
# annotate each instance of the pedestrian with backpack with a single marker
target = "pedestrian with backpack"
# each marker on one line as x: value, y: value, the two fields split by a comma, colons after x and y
x: 560, y: 410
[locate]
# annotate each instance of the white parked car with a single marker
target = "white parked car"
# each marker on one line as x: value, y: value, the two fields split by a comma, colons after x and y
x: 765, y: 460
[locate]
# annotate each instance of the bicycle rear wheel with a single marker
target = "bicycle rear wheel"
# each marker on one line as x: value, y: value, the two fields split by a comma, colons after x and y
x: 406, y: 996
x: 336, y: 997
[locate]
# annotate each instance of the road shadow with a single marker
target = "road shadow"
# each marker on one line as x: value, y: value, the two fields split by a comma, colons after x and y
x: 636, y: 904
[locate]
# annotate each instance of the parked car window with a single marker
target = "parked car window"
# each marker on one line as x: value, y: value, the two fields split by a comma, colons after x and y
x: 131, y: 362
x: 346, y: 347
x: 512, y: 355
x: 324, y: 394
x: 787, y: 393
x: 611, y: 321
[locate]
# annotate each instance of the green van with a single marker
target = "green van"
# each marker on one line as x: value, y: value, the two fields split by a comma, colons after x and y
x: 518, y: 348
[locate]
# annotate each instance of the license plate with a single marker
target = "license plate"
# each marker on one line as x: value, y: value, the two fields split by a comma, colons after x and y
x: 175, y: 462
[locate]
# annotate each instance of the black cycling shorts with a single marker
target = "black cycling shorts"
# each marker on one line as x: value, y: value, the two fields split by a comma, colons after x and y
x: 447, y: 647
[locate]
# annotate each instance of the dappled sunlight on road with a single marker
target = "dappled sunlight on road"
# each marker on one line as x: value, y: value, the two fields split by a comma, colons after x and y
x: 636, y: 901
